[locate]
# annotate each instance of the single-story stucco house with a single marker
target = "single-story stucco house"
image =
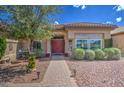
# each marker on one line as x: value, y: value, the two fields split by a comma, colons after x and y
x: 84, y: 35
x: 77, y: 35
x: 118, y: 38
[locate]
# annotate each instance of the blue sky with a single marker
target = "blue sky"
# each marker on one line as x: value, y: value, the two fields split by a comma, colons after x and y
x: 110, y: 14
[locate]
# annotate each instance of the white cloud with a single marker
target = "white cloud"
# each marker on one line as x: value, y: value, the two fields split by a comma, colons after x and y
x: 56, y: 22
x: 119, y: 8
x: 108, y: 22
x: 119, y: 19
x: 83, y: 7
x: 80, y: 6
x: 76, y: 6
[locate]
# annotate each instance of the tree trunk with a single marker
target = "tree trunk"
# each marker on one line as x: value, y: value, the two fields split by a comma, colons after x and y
x: 31, y: 45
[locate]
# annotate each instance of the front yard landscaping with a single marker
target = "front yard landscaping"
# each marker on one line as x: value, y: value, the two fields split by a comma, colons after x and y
x: 96, y: 54
x: 98, y: 73
x: 16, y: 73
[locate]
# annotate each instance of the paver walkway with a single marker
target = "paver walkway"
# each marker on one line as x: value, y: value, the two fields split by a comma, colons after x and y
x: 21, y: 85
x: 58, y: 75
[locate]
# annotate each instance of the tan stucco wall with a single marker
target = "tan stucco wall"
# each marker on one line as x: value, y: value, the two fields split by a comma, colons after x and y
x: 73, y: 32
x: 44, y: 45
x: 58, y: 32
x: 105, y: 32
x: 11, y: 49
x: 118, y: 41
x: 69, y: 34
x: 24, y: 44
x: 48, y: 46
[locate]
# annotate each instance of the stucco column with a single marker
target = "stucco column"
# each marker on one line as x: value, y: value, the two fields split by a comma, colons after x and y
x: 66, y: 46
x: 73, y: 43
x: 103, y: 43
x: 49, y: 46
x: 107, y: 35
x: 11, y: 50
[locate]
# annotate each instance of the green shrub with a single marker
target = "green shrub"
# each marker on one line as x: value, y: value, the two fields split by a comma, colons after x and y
x: 3, y: 45
x: 26, y: 54
x: 31, y: 63
x: 108, y: 43
x: 99, y: 54
x: 78, y: 53
x: 117, y: 54
x: 109, y: 53
x: 89, y: 54
x: 38, y: 52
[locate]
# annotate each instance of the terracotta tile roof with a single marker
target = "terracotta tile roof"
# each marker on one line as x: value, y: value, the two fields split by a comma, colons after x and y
x: 119, y: 30
x: 84, y: 24
x: 59, y: 27
x: 90, y: 24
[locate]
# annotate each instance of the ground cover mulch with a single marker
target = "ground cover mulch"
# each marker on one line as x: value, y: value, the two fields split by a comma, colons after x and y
x: 98, y: 73
x: 16, y: 72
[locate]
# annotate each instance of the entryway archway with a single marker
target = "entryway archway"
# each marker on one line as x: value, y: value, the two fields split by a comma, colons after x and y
x: 58, y: 45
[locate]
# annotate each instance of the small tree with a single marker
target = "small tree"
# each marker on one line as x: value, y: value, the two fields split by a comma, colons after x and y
x: 30, y: 22
x: 31, y: 63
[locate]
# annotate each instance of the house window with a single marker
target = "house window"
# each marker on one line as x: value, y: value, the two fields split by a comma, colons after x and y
x: 89, y: 43
x: 82, y: 44
x: 94, y: 44
x: 36, y: 45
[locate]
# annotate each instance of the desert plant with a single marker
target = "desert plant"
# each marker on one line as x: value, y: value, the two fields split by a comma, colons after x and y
x: 39, y: 52
x: 99, y: 54
x: 117, y: 54
x: 108, y: 43
x: 89, y: 54
x: 3, y: 45
x: 78, y: 53
x: 26, y: 53
x: 109, y: 53
x: 31, y: 63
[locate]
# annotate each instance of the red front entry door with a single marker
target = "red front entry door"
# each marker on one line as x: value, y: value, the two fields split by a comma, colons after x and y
x: 57, y: 46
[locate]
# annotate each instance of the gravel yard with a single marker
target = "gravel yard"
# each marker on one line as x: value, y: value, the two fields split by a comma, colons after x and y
x: 98, y: 73
x: 15, y: 73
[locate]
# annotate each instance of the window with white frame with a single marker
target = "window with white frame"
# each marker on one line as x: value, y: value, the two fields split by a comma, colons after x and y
x: 89, y: 43
x: 36, y: 44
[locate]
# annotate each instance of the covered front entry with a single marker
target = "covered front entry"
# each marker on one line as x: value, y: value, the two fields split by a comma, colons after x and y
x: 57, y: 45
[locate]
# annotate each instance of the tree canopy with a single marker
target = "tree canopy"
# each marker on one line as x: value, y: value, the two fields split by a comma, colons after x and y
x: 30, y: 22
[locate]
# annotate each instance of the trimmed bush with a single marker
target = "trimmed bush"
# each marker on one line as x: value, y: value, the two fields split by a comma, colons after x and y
x: 99, y: 54
x: 117, y: 54
x: 109, y: 53
x: 108, y: 43
x: 3, y: 45
x: 38, y: 52
x: 78, y: 53
x: 112, y: 53
x: 89, y: 54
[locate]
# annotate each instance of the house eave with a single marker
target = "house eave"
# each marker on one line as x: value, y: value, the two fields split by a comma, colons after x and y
x: 119, y: 33
x: 84, y: 25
